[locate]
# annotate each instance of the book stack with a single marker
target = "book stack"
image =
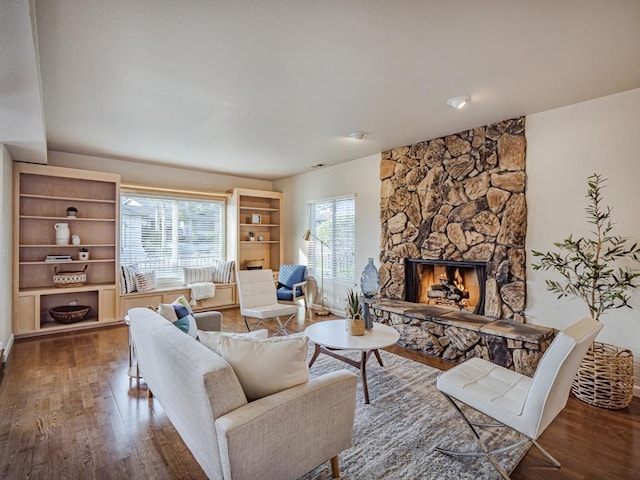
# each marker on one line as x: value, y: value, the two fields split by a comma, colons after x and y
x: 58, y: 258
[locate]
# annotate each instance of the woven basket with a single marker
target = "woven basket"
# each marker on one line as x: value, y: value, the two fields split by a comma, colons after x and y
x: 69, y: 313
x: 605, y: 377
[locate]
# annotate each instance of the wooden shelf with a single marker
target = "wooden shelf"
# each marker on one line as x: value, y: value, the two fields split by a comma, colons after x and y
x: 65, y: 199
x: 42, y: 194
x: 67, y: 262
x: 259, y: 225
x: 243, y: 206
x: 67, y: 219
x: 260, y: 209
x: 88, y: 287
x: 91, y: 320
x: 53, y: 245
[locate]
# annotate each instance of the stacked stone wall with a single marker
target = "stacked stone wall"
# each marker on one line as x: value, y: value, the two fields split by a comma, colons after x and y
x: 459, y: 197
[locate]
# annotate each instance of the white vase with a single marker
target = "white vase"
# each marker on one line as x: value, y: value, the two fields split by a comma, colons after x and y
x: 62, y: 233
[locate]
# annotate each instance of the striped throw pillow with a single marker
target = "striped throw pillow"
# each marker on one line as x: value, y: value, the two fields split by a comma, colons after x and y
x: 197, y: 274
x: 223, y: 271
x: 128, y: 278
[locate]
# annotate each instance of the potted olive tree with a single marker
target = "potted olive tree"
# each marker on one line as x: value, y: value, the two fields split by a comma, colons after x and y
x: 597, y: 269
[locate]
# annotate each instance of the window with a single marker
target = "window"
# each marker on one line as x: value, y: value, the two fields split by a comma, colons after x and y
x: 164, y: 233
x: 333, y: 222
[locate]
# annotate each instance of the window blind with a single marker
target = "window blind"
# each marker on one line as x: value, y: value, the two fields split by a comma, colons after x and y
x: 333, y: 222
x: 164, y: 233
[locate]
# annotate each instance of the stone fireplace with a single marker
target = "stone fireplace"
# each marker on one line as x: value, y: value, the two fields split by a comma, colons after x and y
x: 450, y: 283
x: 458, y: 198
x: 452, y: 262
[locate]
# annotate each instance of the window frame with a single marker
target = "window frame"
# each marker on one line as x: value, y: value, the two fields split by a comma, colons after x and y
x: 180, y: 196
x: 331, y: 268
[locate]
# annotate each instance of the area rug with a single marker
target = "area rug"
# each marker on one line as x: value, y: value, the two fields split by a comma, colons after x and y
x: 395, y: 435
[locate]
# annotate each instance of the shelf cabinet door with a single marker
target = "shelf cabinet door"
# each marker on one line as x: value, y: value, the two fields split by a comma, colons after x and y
x: 25, y: 318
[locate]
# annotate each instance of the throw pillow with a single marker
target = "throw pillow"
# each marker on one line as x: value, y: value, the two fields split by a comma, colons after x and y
x: 213, y: 340
x: 146, y: 281
x: 180, y: 316
x: 182, y: 300
x: 267, y: 366
x: 197, y: 274
x: 128, y: 278
x: 223, y: 271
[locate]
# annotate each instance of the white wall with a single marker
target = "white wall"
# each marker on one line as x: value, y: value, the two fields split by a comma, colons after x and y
x: 6, y: 334
x: 359, y: 177
x: 156, y: 175
x: 565, y: 146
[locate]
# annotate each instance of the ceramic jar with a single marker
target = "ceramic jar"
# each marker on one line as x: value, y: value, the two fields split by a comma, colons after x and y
x: 62, y: 233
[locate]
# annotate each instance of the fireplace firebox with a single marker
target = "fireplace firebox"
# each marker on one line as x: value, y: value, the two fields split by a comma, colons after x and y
x: 446, y: 282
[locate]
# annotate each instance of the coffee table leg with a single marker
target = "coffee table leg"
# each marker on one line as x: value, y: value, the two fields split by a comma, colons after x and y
x: 363, y: 372
x: 377, y: 354
x: 316, y: 352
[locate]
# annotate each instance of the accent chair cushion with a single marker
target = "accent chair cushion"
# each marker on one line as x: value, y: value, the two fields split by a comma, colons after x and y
x: 289, y: 275
x: 266, y: 366
x: 179, y: 313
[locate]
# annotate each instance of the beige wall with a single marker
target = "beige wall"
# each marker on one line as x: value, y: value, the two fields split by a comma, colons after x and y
x: 359, y: 177
x: 6, y: 334
x: 157, y: 175
x: 565, y: 146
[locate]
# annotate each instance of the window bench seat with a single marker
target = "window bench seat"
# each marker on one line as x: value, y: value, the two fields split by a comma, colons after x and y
x: 225, y: 297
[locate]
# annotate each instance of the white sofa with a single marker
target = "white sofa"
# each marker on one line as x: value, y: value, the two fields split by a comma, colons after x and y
x: 281, y: 436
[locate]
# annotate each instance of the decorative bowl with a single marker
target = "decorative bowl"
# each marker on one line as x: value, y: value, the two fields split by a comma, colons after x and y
x: 69, y: 313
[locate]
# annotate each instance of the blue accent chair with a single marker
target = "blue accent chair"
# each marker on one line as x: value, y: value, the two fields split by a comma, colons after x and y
x: 292, y: 283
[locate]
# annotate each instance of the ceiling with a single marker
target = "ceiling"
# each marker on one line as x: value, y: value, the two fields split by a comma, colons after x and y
x: 267, y: 89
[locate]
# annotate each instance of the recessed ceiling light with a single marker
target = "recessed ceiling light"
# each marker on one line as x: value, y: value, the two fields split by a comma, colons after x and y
x: 458, y: 102
x: 358, y: 135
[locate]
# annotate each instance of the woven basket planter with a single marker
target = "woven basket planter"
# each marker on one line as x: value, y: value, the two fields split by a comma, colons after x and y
x: 605, y: 377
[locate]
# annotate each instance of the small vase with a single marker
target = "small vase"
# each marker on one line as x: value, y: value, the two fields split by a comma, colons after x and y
x: 369, y: 281
x: 356, y: 325
x: 62, y: 233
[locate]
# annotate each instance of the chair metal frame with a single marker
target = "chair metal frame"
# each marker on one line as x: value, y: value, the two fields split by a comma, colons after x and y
x: 264, y: 299
x: 479, y: 383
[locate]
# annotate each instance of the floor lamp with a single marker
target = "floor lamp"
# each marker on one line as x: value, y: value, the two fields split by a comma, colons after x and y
x: 307, y: 235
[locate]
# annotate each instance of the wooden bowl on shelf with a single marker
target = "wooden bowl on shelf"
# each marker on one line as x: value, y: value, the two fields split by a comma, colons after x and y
x: 69, y: 313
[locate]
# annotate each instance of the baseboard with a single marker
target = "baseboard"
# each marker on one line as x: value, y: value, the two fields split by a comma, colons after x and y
x: 636, y: 390
x: 7, y: 349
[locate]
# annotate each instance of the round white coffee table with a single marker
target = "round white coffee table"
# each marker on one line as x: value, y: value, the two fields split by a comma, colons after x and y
x: 331, y: 335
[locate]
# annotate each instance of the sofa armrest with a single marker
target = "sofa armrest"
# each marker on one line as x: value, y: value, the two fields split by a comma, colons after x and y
x: 209, y: 321
x: 285, y: 435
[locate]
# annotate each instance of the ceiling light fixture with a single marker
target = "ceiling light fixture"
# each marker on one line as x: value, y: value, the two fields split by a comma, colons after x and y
x: 358, y: 135
x: 459, y: 102
x: 319, y: 165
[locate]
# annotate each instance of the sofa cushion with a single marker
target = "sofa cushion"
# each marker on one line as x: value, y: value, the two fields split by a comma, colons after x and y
x: 266, y: 366
x: 213, y: 340
x: 180, y: 315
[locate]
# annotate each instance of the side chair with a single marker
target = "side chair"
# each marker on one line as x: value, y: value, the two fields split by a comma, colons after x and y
x: 257, y: 293
x: 292, y: 283
x: 527, y: 405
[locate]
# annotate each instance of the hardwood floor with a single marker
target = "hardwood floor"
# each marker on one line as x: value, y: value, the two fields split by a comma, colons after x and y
x: 69, y: 410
